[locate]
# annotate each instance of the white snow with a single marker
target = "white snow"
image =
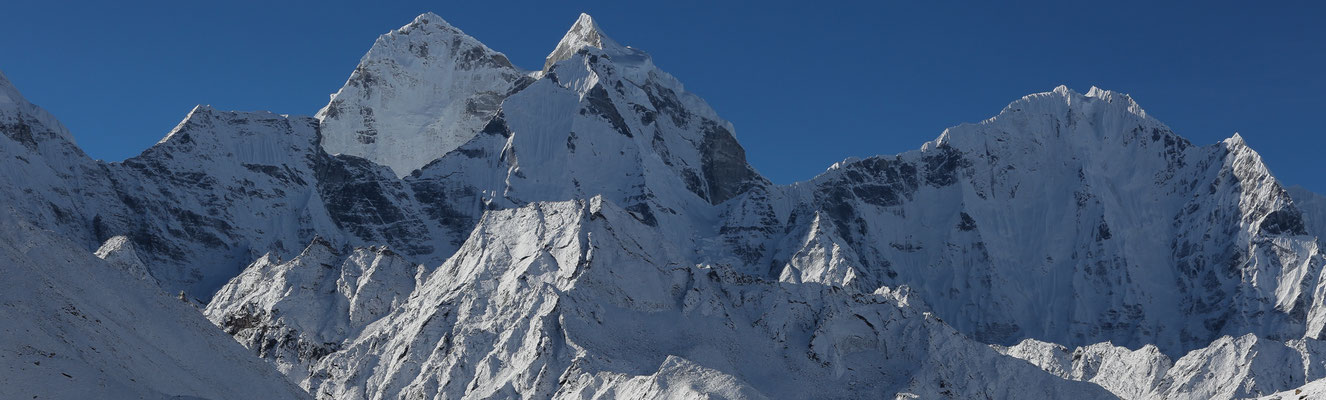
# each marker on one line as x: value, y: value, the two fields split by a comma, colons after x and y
x: 119, y: 252
x: 12, y: 102
x: 420, y: 92
x: 77, y: 328
x: 298, y: 311
x: 580, y: 299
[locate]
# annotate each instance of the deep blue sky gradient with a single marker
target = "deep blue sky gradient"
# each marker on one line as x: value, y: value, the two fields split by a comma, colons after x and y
x: 806, y: 83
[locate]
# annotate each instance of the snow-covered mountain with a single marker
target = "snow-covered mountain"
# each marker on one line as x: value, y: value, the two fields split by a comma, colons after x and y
x: 75, y: 325
x: 1068, y: 217
x: 451, y: 225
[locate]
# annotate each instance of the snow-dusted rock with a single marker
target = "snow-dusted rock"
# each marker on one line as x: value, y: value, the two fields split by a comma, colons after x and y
x: 1228, y: 368
x: 298, y: 311
x: 1242, y: 367
x: 47, y: 180
x: 217, y: 189
x: 1129, y: 374
x: 582, y: 299
x: 119, y: 252
x: 1074, y: 218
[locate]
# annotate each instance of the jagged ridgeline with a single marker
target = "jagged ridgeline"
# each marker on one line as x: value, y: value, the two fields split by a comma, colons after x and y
x: 451, y: 225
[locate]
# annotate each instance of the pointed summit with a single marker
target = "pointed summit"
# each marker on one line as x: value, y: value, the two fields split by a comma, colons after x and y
x: 429, y: 17
x: 1235, y: 141
x: 13, y: 106
x: 420, y: 92
x: 429, y: 23
x: 8, y: 93
x: 584, y: 33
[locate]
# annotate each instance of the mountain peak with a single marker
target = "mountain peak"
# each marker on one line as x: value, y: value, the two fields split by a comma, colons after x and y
x: 429, y: 17
x: 8, y: 93
x: 1062, y: 95
x: 13, y: 102
x: 584, y: 33
x: 420, y: 92
x: 1235, y: 141
x: 428, y: 21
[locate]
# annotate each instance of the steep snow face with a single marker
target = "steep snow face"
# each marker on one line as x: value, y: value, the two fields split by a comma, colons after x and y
x: 583, y: 33
x: 1044, y: 222
x: 221, y: 188
x: 298, y: 311
x: 602, y: 121
x: 599, y: 121
x: 48, y: 180
x: 420, y: 92
x: 1228, y: 368
x: 78, y: 328
x: 224, y: 188
x: 581, y: 299
x: 193, y: 208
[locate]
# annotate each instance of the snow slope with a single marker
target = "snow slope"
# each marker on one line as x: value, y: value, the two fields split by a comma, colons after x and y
x: 76, y: 328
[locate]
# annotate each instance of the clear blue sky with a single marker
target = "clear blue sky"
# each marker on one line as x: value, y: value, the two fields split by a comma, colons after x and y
x: 806, y: 83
